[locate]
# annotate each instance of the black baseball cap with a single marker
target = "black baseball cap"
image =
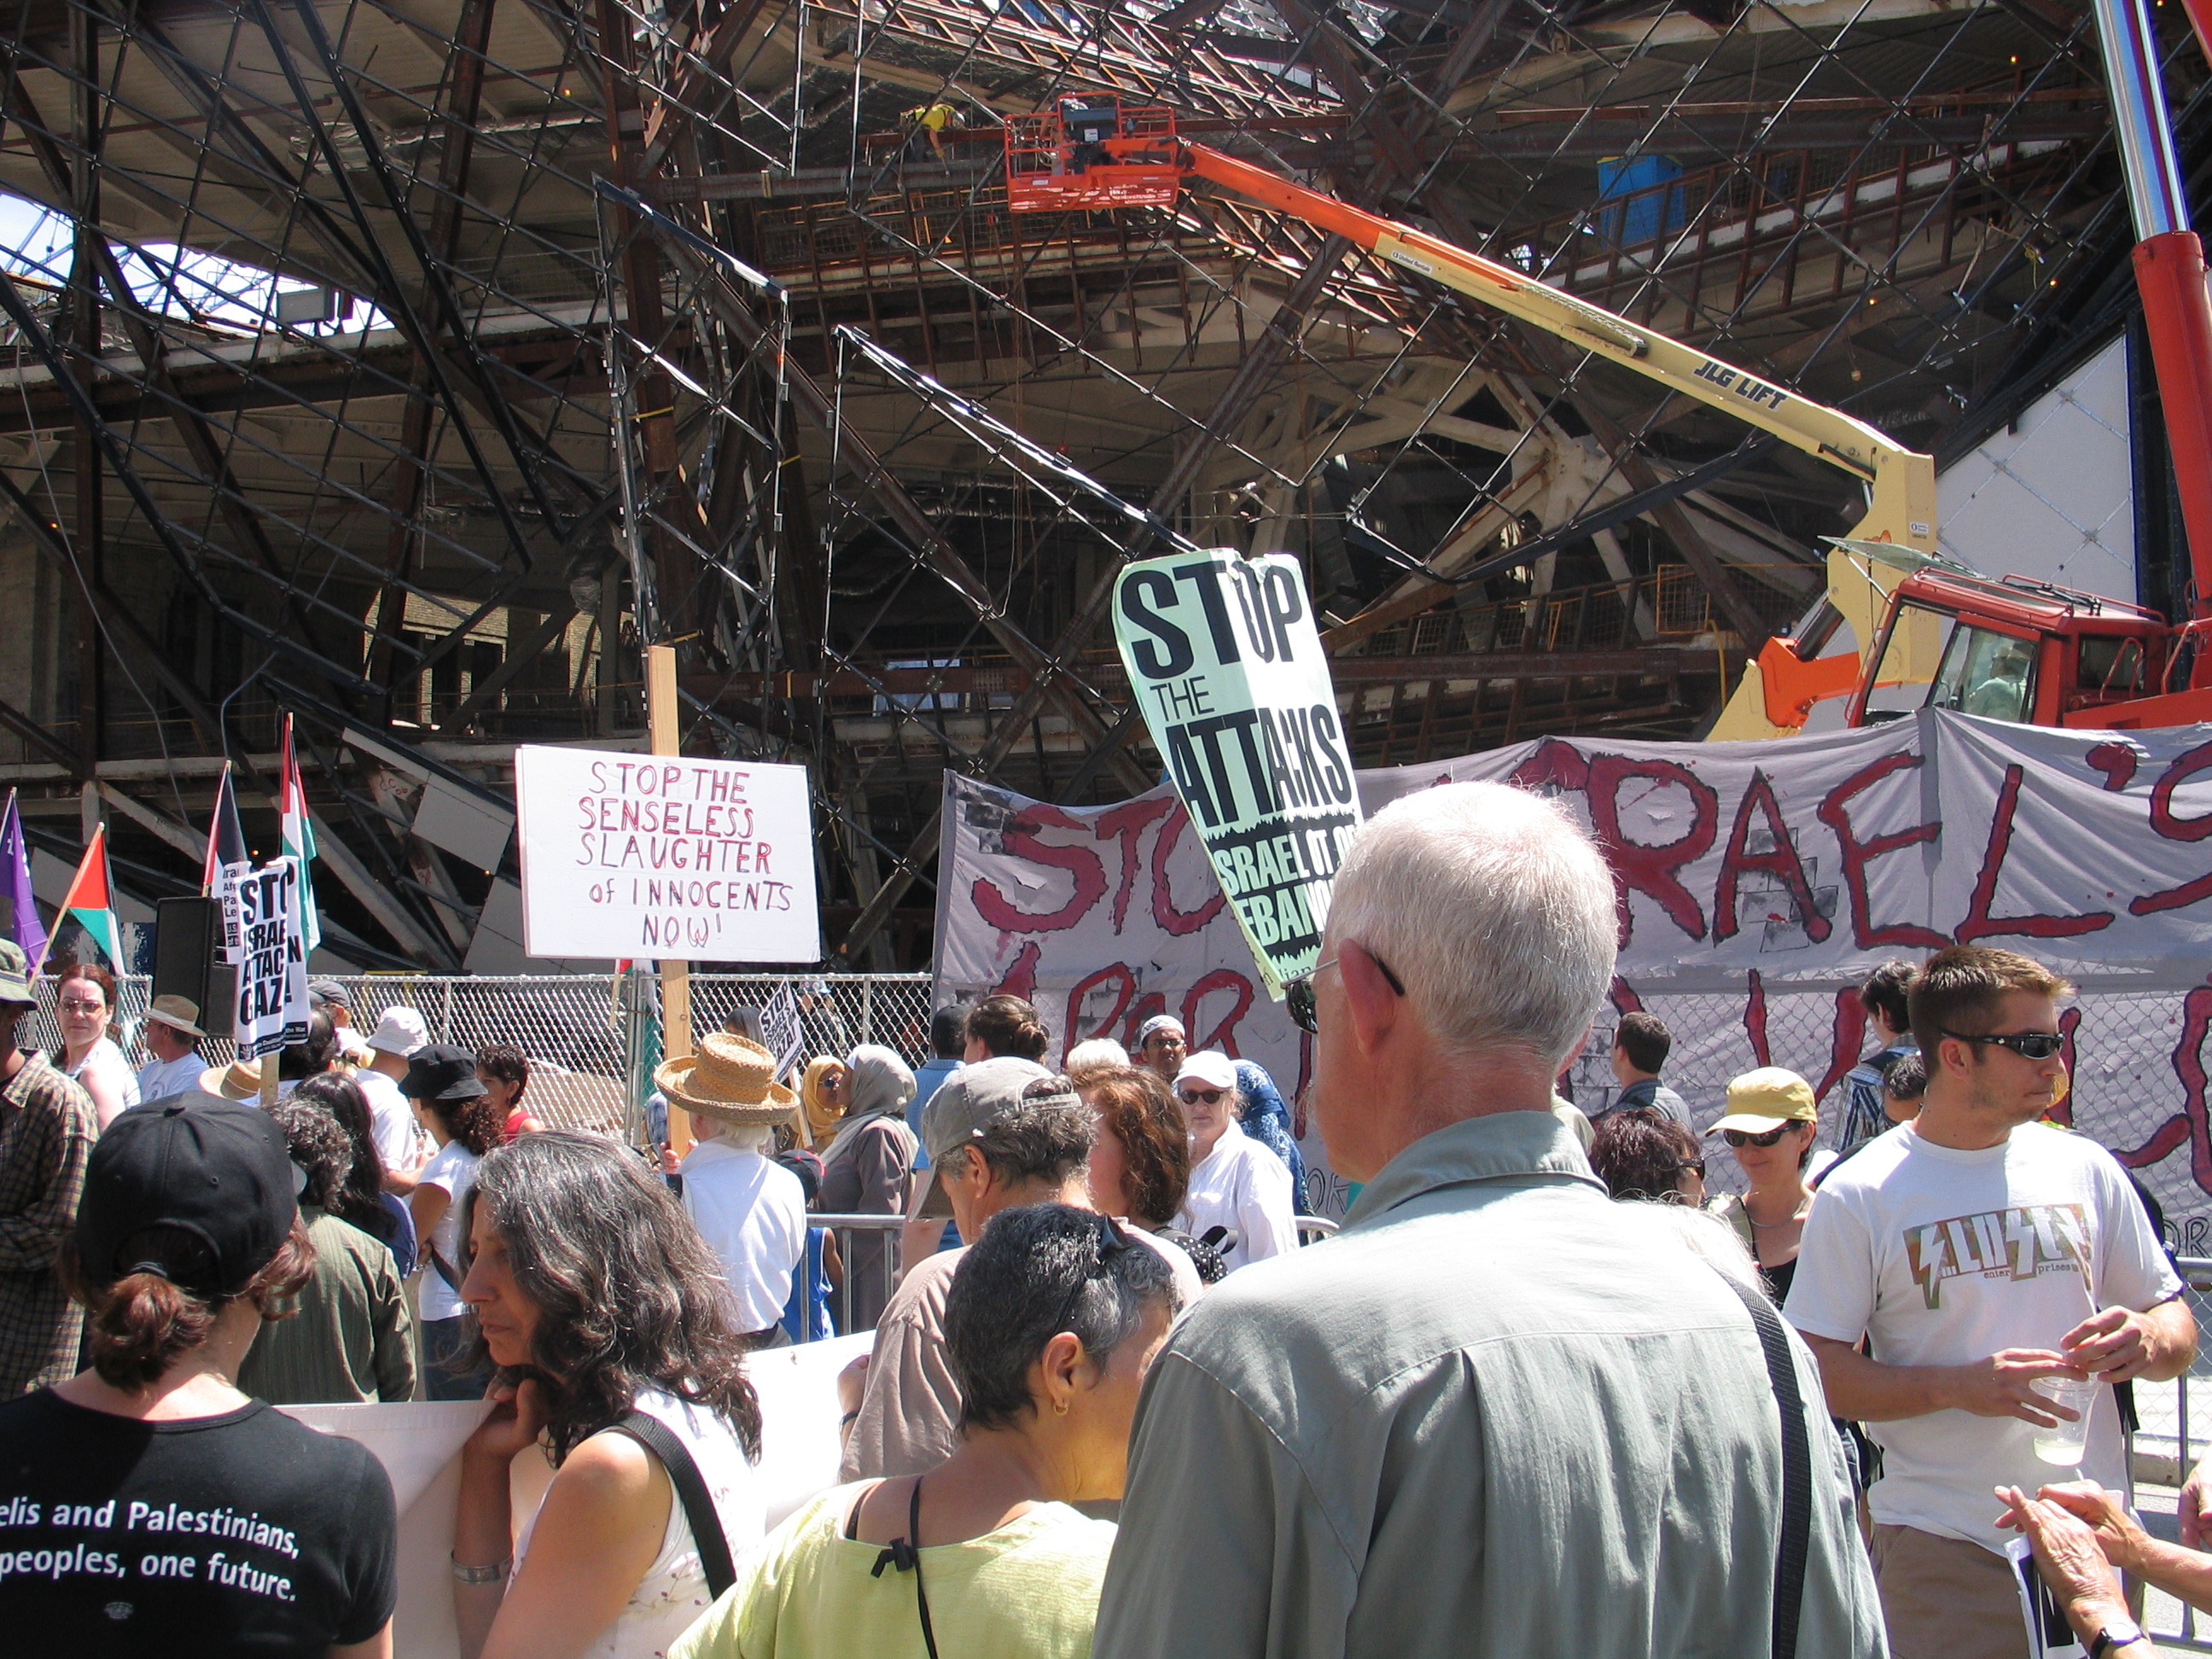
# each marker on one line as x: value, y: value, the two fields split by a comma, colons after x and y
x: 218, y: 1169
x: 438, y: 1070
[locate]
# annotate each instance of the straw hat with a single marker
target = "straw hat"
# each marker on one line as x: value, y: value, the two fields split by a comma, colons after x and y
x: 240, y: 1080
x: 730, y: 1077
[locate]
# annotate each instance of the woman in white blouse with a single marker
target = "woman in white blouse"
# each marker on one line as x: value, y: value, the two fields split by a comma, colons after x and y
x: 84, y: 1006
x: 1235, y: 1181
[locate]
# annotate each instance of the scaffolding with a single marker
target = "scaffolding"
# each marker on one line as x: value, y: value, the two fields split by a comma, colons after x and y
x: 410, y: 365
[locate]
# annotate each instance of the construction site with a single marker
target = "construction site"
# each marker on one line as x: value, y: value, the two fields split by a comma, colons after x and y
x: 411, y: 367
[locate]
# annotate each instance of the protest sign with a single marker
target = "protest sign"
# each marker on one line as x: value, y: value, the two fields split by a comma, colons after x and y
x: 1224, y: 660
x: 637, y: 856
x: 271, y: 1009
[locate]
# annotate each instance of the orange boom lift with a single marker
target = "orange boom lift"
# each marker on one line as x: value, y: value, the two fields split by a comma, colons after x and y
x: 2017, y: 650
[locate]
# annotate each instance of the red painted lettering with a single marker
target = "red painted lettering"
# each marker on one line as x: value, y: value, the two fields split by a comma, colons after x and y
x: 1126, y: 823
x: 1087, y: 875
x: 2186, y: 765
x: 1858, y: 855
x: 1782, y: 863
x: 1980, y: 923
x: 1647, y: 868
x: 1174, y: 921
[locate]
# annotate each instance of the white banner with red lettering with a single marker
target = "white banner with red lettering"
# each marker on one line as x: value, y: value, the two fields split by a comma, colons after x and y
x: 1758, y: 883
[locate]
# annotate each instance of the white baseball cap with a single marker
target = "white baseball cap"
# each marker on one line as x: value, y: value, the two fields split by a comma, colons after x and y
x: 400, y: 1031
x: 1209, y: 1067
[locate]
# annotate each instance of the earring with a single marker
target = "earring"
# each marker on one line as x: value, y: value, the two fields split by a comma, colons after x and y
x: 1060, y: 1409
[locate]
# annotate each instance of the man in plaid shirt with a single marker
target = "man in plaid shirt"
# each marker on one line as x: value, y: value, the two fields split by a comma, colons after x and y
x: 47, y: 1126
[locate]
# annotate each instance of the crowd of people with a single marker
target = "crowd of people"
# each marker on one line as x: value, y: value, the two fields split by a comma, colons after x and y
x: 1541, y: 1394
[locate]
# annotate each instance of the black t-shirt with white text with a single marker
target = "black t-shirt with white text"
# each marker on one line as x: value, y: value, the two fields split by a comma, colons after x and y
x: 245, y: 1534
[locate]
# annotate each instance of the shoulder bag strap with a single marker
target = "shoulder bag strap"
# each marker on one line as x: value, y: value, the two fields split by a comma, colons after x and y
x: 1796, y: 1471
x: 691, y: 1491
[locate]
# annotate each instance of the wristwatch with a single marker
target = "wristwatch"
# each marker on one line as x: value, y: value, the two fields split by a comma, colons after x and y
x: 2120, y: 1633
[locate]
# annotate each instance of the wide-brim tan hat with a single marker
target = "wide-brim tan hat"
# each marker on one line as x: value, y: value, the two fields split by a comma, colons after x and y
x: 240, y: 1080
x: 178, y: 1014
x: 730, y: 1077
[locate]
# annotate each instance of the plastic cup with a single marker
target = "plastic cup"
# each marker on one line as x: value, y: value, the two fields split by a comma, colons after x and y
x: 2064, y: 1442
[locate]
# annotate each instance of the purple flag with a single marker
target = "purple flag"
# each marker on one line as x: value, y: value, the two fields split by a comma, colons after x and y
x: 23, y: 924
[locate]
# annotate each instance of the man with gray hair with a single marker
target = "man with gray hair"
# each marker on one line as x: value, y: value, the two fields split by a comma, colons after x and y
x: 1497, y: 1413
x: 1001, y: 1137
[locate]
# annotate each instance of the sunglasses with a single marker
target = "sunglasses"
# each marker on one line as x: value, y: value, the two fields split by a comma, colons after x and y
x: 1299, y: 993
x: 2028, y: 1045
x: 1771, y: 1138
x: 1192, y: 1096
x: 1696, y: 1163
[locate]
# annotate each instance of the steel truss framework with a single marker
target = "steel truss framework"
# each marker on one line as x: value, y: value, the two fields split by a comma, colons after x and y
x: 410, y: 364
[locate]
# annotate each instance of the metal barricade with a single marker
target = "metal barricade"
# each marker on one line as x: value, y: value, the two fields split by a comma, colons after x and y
x: 845, y: 1228
x: 2166, y: 1447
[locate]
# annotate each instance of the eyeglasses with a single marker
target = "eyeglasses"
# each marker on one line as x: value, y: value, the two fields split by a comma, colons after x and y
x: 1771, y: 1138
x: 1192, y: 1096
x: 83, y: 1007
x: 1299, y: 993
x: 2028, y: 1045
x: 1112, y: 1241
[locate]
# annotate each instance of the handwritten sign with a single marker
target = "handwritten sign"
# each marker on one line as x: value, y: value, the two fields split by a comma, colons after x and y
x: 661, y: 857
x: 1223, y: 659
x: 272, y: 1011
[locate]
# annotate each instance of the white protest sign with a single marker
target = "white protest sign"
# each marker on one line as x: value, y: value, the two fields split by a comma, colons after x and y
x: 271, y: 1010
x: 232, y: 949
x: 657, y: 856
x: 1224, y: 662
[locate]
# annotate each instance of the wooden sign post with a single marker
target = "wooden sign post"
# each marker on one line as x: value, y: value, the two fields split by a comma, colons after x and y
x: 666, y: 731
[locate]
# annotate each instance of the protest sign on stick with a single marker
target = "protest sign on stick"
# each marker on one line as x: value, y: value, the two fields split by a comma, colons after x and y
x: 262, y: 910
x: 652, y: 857
x: 1224, y: 660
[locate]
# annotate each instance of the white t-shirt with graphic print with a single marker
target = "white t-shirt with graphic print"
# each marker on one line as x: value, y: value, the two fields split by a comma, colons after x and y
x: 1941, y: 1257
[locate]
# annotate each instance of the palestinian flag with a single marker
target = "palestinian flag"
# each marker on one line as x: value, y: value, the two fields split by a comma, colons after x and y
x: 91, y: 900
x: 299, y: 842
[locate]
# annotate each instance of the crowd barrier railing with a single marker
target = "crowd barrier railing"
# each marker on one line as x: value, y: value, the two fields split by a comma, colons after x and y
x: 846, y: 1229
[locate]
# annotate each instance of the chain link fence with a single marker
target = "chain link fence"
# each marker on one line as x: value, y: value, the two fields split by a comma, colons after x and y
x: 577, y: 1029
x: 2137, y: 1061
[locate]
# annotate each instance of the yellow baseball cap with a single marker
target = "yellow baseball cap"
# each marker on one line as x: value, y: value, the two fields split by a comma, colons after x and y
x: 1760, y: 1100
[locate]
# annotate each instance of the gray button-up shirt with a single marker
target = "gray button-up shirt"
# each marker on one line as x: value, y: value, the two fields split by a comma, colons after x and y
x: 1498, y: 1414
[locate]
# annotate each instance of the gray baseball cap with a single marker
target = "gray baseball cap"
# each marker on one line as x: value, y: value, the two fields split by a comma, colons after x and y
x: 962, y: 1107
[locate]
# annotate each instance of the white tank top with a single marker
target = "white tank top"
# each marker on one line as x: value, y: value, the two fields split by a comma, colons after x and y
x: 672, y: 1594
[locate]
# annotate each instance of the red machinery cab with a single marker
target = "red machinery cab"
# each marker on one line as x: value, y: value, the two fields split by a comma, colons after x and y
x: 2015, y: 649
x: 1091, y: 152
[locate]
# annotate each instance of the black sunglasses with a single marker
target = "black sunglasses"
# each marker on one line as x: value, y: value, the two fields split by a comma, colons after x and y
x: 1771, y: 1138
x: 1299, y: 993
x: 2028, y: 1045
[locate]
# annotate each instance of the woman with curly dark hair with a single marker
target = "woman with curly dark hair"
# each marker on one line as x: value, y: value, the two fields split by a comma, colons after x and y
x: 362, y: 1199
x: 603, y: 1309
x: 452, y: 1105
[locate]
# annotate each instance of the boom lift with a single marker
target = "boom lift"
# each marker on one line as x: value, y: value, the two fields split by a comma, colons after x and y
x: 2070, y: 658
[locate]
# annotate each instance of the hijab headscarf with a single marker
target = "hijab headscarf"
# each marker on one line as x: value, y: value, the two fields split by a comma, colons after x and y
x: 821, y: 1115
x: 882, y: 1085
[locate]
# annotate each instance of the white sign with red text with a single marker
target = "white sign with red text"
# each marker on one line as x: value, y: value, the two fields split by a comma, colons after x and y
x: 658, y: 856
